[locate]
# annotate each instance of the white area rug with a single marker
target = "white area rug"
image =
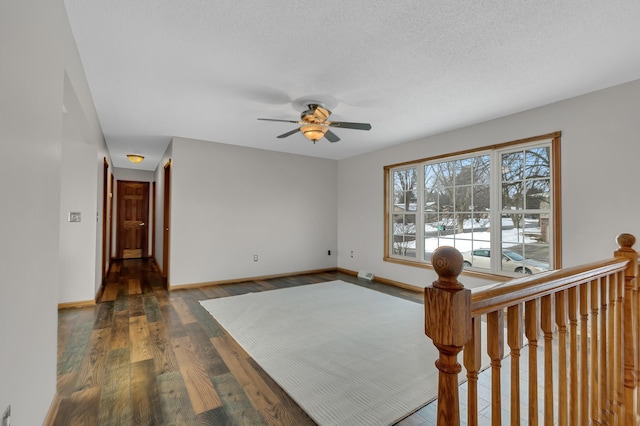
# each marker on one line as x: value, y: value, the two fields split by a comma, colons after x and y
x: 346, y: 354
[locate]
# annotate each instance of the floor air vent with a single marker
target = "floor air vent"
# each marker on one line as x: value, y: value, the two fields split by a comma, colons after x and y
x: 366, y: 275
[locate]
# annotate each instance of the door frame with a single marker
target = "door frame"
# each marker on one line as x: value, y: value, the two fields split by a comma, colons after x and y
x: 166, y: 208
x: 111, y: 189
x: 154, y: 198
x: 120, y: 221
x: 105, y: 221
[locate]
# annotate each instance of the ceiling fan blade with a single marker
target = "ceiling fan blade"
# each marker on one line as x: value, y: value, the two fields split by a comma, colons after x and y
x: 331, y: 137
x: 283, y: 121
x: 284, y: 135
x: 347, y: 125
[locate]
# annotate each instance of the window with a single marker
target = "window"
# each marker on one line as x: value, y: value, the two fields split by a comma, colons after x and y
x: 461, y: 199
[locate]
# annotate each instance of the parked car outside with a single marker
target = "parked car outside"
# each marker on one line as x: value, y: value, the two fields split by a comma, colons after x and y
x: 511, y: 261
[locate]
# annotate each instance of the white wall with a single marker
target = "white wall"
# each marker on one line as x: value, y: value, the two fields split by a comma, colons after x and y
x: 83, y: 154
x: 40, y: 68
x: 31, y: 83
x: 229, y: 203
x: 77, y: 239
x: 133, y: 175
x: 82, y: 115
x: 600, y: 150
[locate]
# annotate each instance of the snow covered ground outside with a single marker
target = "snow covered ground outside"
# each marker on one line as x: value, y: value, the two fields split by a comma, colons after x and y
x: 463, y: 241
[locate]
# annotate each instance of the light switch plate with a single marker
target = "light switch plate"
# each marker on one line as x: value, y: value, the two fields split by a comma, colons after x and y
x: 75, y: 217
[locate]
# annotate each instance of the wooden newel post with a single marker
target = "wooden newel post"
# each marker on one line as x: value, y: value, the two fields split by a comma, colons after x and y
x: 631, y: 332
x: 447, y: 321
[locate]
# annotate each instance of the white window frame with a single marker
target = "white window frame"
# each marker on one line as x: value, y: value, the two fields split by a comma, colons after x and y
x: 496, y: 209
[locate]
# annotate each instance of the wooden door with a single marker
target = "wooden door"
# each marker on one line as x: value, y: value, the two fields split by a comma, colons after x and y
x: 133, y: 215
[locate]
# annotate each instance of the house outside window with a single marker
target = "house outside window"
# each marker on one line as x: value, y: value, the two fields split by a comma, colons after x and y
x: 501, y: 199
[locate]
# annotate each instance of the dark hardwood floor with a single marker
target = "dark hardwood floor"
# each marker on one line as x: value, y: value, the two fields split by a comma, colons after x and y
x: 151, y: 357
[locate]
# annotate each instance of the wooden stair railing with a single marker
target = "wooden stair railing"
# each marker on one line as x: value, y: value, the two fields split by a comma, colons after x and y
x: 582, y: 322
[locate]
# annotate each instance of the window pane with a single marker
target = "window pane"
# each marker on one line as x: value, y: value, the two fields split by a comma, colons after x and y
x: 398, y: 224
x: 512, y: 228
x: 525, y: 248
x: 411, y: 203
x: 430, y: 200
x: 525, y: 258
x: 462, y: 245
x: 432, y: 226
x: 512, y: 196
x: 404, y: 224
x: 404, y: 179
x: 404, y: 245
x: 481, y: 169
x: 538, y: 252
x: 447, y: 240
x: 439, y: 175
x: 481, y: 198
x: 410, y: 224
x: 512, y: 166
x: 479, y: 223
x: 464, y: 171
x: 410, y: 246
x: 430, y: 244
x: 512, y: 259
x: 431, y: 173
x: 445, y: 200
x: 479, y: 257
x: 463, y: 199
x: 447, y: 223
x: 537, y: 163
x: 399, y: 179
x: 465, y: 236
x: 457, y: 223
x: 538, y: 194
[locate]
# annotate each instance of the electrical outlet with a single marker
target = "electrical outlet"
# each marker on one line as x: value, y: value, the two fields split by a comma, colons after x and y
x: 6, y: 417
x: 352, y: 254
x: 255, y: 257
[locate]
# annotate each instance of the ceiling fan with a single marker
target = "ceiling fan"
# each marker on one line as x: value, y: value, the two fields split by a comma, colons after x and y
x: 315, y: 126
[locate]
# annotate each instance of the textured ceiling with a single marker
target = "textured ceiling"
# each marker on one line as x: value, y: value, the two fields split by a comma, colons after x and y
x: 207, y: 69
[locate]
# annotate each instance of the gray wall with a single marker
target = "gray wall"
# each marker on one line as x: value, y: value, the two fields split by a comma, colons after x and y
x: 230, y: 203
x: 39, y: 65
x: 600, y: 149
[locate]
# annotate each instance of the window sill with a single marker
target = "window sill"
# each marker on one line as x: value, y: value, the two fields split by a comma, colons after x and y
x: 477, y: 274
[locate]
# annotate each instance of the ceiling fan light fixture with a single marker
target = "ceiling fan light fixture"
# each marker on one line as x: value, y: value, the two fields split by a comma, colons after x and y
x: 315, y: 126
x: 314, y: 132
x: 135, y: 158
